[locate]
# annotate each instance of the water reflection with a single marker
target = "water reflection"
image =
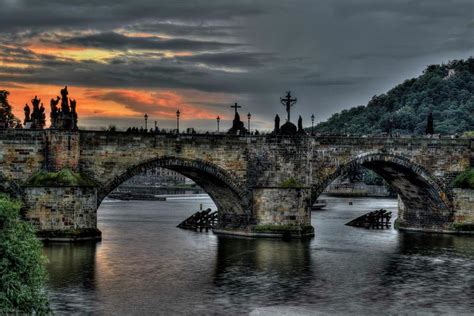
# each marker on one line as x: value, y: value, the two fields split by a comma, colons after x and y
x: 430, y: 273
x: 72, y: 274
x: 145, y: 265
x: 252, y: 272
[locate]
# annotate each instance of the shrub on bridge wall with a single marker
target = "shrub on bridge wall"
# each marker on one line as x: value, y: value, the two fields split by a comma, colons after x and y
x: 291, y: 183
x: 65, y: 177
x: 22, y: 265
x: 465, y: 180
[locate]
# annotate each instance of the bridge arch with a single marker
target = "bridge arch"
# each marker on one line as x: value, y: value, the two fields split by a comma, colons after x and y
x: 427, y: 203
x: 225, y: 189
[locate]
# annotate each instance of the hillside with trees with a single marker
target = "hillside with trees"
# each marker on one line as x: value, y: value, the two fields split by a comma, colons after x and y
x: 446, y: 90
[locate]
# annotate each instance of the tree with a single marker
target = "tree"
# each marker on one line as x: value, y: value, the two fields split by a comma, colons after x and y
x: 22, y: 265
x: 445, y: 90
x: 7, y: 119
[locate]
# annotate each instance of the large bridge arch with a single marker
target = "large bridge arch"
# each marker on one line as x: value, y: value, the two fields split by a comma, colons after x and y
x: 427, y: 203
x: 225, y: 190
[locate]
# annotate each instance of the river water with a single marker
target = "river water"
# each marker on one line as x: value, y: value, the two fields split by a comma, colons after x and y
x: 145, y: 265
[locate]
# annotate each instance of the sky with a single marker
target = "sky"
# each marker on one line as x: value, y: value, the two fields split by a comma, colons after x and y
x: 122, y: 59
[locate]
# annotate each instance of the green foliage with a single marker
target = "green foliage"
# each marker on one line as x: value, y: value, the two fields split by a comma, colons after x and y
x: 22, y: 265
x: 459, y: 227
x: 465, y: 180
x: 291, y: 183
x: 7, y: 119
x: 446, y: 90
x: 65, y: 177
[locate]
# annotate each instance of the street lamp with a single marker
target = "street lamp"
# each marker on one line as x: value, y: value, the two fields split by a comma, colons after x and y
x: 146, y: 122
x: 218, y: 121
x: 391, y: 126
x: 312, y: 124
x: 249, y: 116
x: 178, y: 113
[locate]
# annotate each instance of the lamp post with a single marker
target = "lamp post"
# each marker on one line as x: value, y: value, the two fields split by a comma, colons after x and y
x: 249, y: 116
x: 312, y: 124
x: 178, y: 113
x: 146, y: 122
x: 218, y: 119
x: 391, y: 126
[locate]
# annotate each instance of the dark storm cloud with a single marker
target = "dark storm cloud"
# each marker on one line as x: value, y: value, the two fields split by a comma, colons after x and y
x: 230, y: 59
x: 332, y: 54
x: 182, y: 29
x: 17, y: 15
x: 116, y: 41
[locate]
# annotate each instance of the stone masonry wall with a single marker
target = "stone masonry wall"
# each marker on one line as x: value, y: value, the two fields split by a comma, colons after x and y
x: 65, y: 208
x: 282, y: 206
x: 63, y: 150
x: 464, y: 206
x: 21, y: 154
x: 443, y: 158
x: 258, y: 165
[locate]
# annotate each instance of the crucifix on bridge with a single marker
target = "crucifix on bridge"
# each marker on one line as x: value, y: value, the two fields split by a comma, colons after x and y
x: 235, y: 106
x: 288, y: 102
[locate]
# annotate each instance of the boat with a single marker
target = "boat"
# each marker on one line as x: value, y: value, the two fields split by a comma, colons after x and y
x: 319, y: 204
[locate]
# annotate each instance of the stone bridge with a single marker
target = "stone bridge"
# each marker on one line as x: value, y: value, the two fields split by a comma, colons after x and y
x: 262, y: 185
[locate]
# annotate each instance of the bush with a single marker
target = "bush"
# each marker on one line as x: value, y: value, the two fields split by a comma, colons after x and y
x: 22, y: 265
x: 291, y: 183
x: 465, y: 180
x: 65, y: 177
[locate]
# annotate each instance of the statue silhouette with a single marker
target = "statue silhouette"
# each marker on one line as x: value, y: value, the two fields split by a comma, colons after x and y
x: 276, y: 130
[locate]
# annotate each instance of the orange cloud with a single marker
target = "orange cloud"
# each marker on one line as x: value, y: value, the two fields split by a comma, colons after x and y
x: 162, y: 104
x: 112, y: 103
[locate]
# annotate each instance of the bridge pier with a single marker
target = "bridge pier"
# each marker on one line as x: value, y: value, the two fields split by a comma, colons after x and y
x: 278, y: 212
x: 459, y: 219
x: 62, y: 206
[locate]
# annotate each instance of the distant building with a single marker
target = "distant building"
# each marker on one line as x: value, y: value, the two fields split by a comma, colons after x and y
x: 158, y: 177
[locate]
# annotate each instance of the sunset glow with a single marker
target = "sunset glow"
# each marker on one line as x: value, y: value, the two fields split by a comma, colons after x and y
x: 120, y: 63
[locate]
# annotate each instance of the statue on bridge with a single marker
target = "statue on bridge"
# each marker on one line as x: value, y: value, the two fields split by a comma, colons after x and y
x: 64, y: 101
x: 429, y: 124
x: 276, y: 130
x: 238, y: 127
x: 38, y: 118
x: 288, y: 128
x: 54, y: 115
x: 300, y: 126
x: 288, y: 102
x: 66, y: 117
x: 27, y: 121
x: 73, y: 113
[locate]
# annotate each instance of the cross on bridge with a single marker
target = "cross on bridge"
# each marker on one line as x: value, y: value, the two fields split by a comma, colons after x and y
x: 288, y: 102
x: 235, y: 106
